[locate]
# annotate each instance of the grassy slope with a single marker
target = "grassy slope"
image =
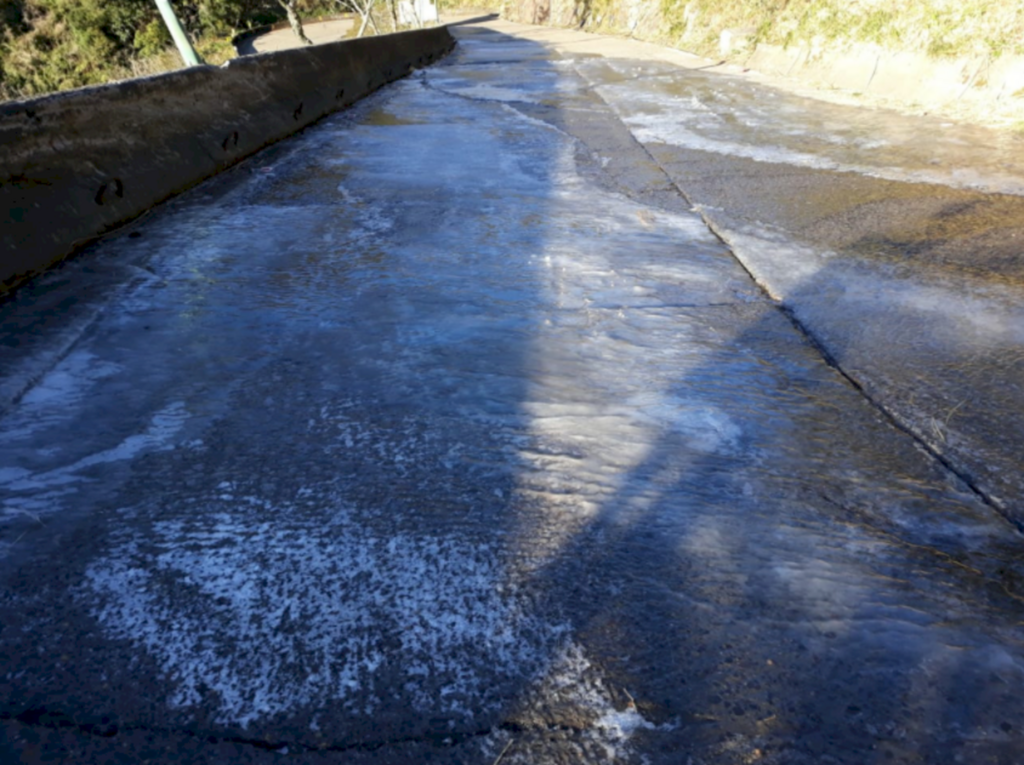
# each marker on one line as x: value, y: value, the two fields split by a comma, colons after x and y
x: 937, y: 27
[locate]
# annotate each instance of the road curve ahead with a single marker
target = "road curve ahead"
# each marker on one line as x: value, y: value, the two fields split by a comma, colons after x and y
x: 447, y: 431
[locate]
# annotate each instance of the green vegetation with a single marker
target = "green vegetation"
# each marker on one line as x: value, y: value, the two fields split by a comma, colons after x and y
x: 936, y: 27
x: 49, y: 45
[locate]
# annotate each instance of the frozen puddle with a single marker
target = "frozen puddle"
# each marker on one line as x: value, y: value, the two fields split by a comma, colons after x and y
x: 163, y: 426
x: 36, y: 494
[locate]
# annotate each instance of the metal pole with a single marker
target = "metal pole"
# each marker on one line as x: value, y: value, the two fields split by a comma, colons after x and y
x: 188, y: 53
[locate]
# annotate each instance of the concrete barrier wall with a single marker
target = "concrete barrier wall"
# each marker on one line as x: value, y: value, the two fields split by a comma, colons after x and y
x: 76, y: 164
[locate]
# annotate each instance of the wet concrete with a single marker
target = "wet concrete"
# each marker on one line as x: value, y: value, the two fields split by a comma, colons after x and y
x: 448, y: 431
x: 894, y: 242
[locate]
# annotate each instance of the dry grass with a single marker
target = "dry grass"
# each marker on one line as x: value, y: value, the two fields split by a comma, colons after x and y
x: 938, y: 27
x: 214, y: 51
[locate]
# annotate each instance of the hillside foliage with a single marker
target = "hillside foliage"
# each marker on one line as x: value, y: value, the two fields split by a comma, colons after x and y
x: 50, y: 45
x: 939, y: 28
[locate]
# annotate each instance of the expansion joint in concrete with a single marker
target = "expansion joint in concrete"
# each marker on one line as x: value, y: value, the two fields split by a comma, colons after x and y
x: 888, y: 414
x: 821, y: 349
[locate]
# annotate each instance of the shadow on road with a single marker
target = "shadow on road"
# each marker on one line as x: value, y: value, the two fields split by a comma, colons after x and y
x: 444, y: 434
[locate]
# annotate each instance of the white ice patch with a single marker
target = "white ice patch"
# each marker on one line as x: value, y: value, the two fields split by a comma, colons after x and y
x: 272, y: 619
x: 493, y: 83
x: 368, y: 219
x: 496, y: 93
x: 620, y: 726
x: 779, y: 264
x: 691, y: 124
x: 671, y: 129
x: 571, y: 677
x: 707, y: 429
x: 534, y: 121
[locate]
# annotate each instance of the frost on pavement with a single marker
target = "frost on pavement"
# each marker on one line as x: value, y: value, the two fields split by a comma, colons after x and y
x: 276, y: 618
x: 280, y: 618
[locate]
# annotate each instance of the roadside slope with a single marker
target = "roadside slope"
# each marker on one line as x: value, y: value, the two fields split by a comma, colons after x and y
x: 964, y: 60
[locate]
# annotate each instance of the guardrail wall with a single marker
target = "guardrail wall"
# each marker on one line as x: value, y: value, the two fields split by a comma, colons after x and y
x: 74, y: 165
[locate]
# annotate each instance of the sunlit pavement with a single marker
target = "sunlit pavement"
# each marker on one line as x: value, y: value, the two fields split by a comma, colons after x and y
x: 318, y: 33
x: 450, y: 431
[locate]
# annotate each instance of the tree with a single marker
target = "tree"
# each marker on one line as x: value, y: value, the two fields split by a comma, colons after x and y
x: 364, y: 8
x: 48, y: 45
x: 59, y: 44
x: 293, y: 19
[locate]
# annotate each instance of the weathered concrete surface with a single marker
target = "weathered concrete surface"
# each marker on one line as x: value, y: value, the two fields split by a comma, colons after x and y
x: 72, y: 165
x: 911, y: 285
x: 866, y: 233
x: 447, y: 430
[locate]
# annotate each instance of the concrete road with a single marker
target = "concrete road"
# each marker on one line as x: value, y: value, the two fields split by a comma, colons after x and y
x: 450, y: 431
x: 283, y: 39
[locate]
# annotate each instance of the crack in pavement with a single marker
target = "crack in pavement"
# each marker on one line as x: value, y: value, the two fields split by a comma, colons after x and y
x: 41, y: 717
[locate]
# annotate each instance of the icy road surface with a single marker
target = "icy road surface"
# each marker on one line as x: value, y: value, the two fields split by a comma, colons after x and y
x: 448, y: 431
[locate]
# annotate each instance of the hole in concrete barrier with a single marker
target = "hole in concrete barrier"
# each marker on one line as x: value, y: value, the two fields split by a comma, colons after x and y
x: 231, y: 140
x: 298, y: 111
x: 113, y: 183
x: 339, y: 95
